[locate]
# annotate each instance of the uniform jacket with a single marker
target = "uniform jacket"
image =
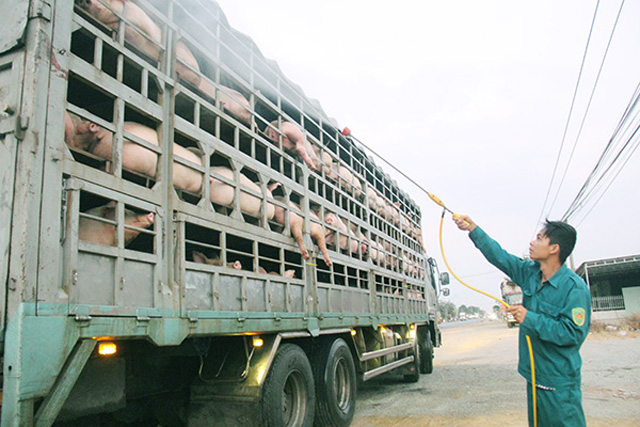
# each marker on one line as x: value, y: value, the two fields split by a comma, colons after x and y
x: 557, y: 320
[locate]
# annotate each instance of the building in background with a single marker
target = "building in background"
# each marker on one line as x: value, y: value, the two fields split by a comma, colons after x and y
x: 614, y: 285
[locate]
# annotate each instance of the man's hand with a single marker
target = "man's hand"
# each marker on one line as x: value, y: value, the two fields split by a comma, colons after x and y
x: 518, y: 312
x: 464, y: 222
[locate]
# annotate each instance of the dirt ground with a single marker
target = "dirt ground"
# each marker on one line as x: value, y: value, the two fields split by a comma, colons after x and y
x: 475, y: 383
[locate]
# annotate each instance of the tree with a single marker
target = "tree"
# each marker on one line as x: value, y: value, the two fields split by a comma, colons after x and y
x: 447, y: 310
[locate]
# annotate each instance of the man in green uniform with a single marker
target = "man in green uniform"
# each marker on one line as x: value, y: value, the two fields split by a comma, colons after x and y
x: 555, y: 314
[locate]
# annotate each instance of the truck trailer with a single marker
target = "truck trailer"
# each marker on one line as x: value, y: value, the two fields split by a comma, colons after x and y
x: 187, y: 238
x: 511, y: 294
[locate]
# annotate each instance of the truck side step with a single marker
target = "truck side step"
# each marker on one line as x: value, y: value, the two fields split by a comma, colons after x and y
x: 386, y: 368
x: 386, y: 351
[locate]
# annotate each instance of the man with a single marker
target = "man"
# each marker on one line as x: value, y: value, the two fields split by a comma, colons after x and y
x: 555, y: 314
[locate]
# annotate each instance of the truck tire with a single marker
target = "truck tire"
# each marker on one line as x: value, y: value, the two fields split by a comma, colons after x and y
x: 288, y: 394
x: 414, y: 376
x: 335, y: 377
x: 425, y: 346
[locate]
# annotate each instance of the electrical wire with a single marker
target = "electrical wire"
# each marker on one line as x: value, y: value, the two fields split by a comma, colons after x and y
x: 603, y: 166
x: 586, y: 113
x: 600, y: 197
x: 566, y: 127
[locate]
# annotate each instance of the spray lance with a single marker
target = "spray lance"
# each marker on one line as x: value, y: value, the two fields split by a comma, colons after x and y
x: 347, y: 132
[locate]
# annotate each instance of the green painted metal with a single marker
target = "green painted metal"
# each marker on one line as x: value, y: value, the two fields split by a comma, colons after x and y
x: 68, y: 376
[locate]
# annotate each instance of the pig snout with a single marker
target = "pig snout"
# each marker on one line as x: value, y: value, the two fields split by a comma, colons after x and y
x: 138, y: 221
x: 331, y: 219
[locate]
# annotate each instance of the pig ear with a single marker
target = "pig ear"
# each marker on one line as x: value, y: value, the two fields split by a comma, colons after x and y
x: 273, y: 185
x: 199, y: 257
x: 111, y: 204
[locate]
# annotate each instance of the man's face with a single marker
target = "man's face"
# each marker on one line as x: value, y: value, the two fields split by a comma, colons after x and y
x: 540, y: 248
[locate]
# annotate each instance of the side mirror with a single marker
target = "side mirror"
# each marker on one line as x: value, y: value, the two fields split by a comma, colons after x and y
x: 445, y: 292
x: 444, y: 278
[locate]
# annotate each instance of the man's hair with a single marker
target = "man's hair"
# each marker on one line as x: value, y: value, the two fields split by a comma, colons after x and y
x: 562, y: 234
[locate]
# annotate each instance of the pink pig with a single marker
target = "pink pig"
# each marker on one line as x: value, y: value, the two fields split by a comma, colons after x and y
x: 296, y: 223
x: 94, y: 231
x: 143, y: 41
x: 95, y: 139
x: 222, y: 193
x: 294, y: 140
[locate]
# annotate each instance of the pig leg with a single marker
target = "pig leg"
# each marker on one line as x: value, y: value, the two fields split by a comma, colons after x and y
x: 295, y: 222
x: 293, y: 140
x: 317, y: 234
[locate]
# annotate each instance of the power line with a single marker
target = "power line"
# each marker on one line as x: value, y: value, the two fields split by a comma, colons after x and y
x: 584, y: 117
x: 611, y: 182
x: 566, y: 127
x: 624, y: 121
x: 604, y: 167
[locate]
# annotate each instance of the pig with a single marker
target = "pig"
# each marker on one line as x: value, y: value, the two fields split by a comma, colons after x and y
x: 143, y: 41
x: 349, y: 182
x: 70, y: 123
x: 347, y: 238
x: 372, y: 199
x: 416, y: 232
x: 102, y: 233
x: 222, y: 193
x: 201, y: 258
x: 96, y: 140
x: 376, y: 252
x: 364, y: 242
x: 295, y: 224
x: 231, y: 101
x: 294, y: 140
x: 288, y: 274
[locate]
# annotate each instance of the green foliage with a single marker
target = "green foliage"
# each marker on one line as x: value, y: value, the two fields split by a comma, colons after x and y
x: 448, y: 310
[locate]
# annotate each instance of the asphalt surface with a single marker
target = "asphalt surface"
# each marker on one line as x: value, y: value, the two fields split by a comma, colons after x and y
x: 475, y: 383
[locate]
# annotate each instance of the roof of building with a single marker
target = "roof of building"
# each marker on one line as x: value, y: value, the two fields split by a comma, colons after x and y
x: 624, y: 264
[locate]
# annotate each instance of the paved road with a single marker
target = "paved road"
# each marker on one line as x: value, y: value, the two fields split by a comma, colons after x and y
x: 475, y: 383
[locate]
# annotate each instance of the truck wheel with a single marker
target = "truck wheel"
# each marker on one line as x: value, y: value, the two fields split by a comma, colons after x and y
x: 335, y: 376
x: 414, y: 376
x: 426, y: 354
x: 288, y: 394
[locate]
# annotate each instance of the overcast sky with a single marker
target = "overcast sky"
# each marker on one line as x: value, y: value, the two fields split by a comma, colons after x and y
x: 470, y: 99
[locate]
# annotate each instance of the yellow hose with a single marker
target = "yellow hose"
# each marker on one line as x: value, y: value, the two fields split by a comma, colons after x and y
x: 533, y: 369
x: 533, y: 383
x: 454, y: 274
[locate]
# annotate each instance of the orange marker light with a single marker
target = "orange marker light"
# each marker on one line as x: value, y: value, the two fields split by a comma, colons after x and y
x: 107, y: 348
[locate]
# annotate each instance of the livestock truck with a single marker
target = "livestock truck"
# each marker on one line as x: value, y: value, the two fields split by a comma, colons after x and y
x: 511, y: 294
x: 186, y: 238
